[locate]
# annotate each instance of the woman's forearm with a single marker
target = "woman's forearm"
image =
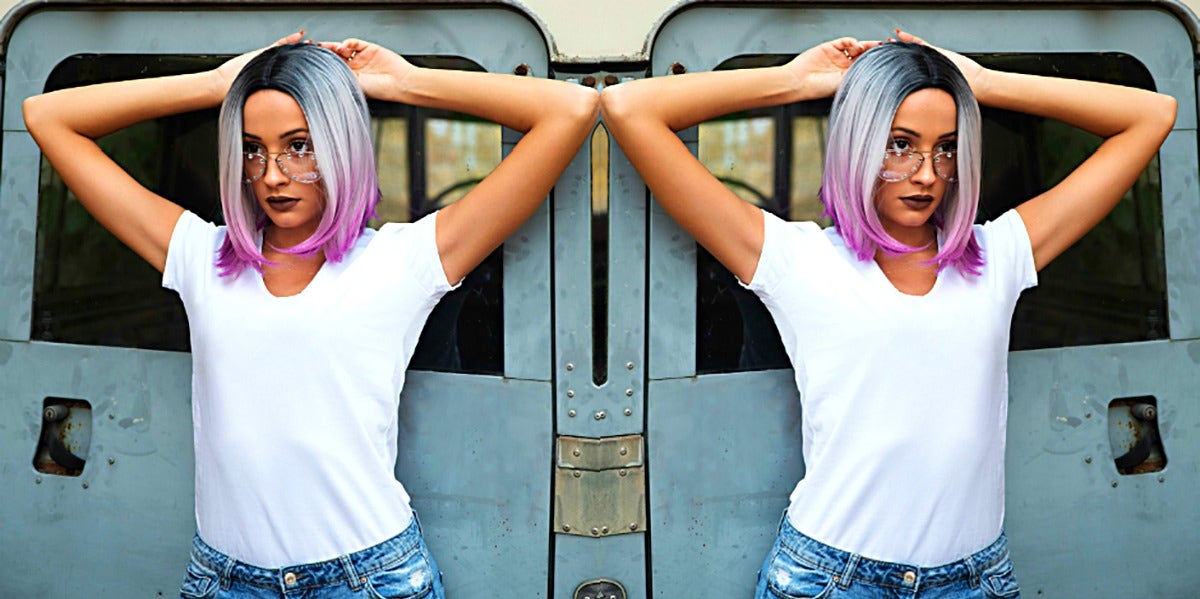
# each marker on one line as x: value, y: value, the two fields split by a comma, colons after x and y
x: 97, y: 110
x: 519, y: 103
x: 1098, y: 108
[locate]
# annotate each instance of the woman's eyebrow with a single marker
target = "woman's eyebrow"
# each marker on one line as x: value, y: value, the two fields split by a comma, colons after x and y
x: 281, y: 135
x: 918, y: 135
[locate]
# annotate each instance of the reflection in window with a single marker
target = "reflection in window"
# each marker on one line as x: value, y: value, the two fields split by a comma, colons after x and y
x: 1109, y: 288
x: 90, y: 289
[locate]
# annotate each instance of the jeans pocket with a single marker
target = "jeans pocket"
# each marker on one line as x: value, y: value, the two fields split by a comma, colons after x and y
x: 999, y: 581
x: 790, y: 578
x: 408, y: 578
x: 199, y: 582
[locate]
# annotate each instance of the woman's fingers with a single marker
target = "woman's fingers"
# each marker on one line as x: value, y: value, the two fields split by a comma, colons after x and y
x: 290, y: 38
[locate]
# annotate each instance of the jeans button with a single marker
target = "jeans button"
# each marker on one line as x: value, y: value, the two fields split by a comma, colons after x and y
x: 289, y: 578
x: 910, y: 577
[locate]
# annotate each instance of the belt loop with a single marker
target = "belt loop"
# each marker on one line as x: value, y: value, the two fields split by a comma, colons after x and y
x: 227, y: 572
x: 972, y: 574
x: 848, y: 572
x: 351, y: 574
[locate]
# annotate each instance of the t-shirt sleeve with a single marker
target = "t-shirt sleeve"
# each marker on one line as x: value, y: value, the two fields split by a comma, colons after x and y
x: 1010, y: 252
x: 420, y: 254
x: 784, y: 247
x: 190, y: 253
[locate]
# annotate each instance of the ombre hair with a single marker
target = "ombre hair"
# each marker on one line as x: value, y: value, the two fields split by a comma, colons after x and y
x: 860, y: 125
x: 340, y: 133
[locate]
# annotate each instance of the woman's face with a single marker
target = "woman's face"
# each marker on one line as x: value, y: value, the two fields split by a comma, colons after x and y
x: 274, y: 128
x: 927, y: 122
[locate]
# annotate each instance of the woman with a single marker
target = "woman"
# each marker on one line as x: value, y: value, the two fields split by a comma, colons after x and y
x: 895, y: 319
x: 301, y: 318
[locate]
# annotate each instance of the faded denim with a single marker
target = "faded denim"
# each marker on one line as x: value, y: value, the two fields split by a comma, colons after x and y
x: 400, y: 567
x: 800, y: 567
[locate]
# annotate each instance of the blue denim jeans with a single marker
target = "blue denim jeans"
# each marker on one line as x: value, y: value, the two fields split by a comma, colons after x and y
x: 398, y: 567
x: 799, y: 566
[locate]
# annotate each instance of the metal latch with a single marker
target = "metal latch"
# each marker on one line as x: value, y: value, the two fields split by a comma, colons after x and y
x: 601, y: 588
x: 599, y: 486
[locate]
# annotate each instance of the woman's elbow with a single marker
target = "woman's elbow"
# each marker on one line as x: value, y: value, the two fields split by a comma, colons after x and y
x: 33, y: 111
x: 616, y: 105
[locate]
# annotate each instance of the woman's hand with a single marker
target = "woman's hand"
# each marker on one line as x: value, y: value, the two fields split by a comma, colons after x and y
x: 380, y: 71
x: 228, y: 71
x: 819, y: 70
x: 972, y: 71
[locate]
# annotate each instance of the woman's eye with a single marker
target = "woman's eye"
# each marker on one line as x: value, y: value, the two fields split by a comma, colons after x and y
x: 299, y: 146
x: 899, y: 145
x: 251, y: 148
x: 948, y: 147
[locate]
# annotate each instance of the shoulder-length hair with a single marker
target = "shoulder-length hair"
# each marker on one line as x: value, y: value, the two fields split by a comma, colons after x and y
x: 340, y: 133
x: 860, y: 124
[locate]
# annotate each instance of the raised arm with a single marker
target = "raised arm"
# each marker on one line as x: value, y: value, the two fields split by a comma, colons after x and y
x: 554, y: 116
x: 1134, y: 122
x: 66, y: 123
x: 644, y: 115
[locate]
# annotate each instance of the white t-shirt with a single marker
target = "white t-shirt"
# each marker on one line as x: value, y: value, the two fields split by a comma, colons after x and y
x: 294, y: 399
x: 905, y: 398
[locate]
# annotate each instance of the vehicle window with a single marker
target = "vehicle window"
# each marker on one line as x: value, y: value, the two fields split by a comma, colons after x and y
x: 1109, y: 288
x: 90, y: 289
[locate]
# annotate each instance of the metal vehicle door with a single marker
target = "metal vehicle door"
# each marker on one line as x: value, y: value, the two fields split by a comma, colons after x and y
x: 1102, y: 455
x: 95, y: 423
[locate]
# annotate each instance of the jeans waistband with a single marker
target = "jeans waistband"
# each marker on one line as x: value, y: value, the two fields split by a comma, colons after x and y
x: 852, y: 567
x: 350, y: 568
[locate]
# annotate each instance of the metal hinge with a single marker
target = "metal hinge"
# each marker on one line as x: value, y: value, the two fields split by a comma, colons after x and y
x: 599, y: 486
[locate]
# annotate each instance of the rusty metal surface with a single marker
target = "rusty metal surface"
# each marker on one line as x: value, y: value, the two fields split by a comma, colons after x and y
x: 584, y: 453
x: 599, y: 503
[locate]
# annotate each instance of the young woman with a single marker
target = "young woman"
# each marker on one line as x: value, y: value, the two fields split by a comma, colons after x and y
x: 895, y: 319
x: 300, y: 316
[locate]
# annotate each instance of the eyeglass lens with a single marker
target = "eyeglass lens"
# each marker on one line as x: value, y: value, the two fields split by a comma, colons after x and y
x: 299, y: 166
x: 900, y: 165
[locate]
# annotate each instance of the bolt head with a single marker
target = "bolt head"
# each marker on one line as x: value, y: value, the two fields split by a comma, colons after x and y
x: 570, y: 393
x: 566, y: 528
x: 570, y: 366
x: 629, y: 366
x: 624, y: 451
x: 577, y: 474
x: 575, y: 452
x: 85, y: 485
x: 623, y: 472
x: 600, y: 415
x: 633, y: 526
x: 1162, y: 479
x: 1114, y: 484
x: 604, y: 530
x: 1087, y: 460
x: 628, y: 412
x: 112, y: 461
x: 571, y: 413
x: 629, y: 393
x: 595, y: 532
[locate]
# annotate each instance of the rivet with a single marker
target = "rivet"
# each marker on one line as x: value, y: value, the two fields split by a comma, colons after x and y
x: 595, y: 532
x: 610, y: 79
x: 112, y: 461
x: 575, y: 452
x: 604, y: 530
x: 570, y: 366
x: 1087, y: 460
x: 571, y: 413
x: 590, y: 81
x: 521, y: 70
x: 566, y: 528
x: 678, y: 69
x: 623, y: 472
x: 633, y: 526
x: 612, y: 597
x: 570, y: 393
x: 629, y: 393
x: 85, y: 485
x: 1162, y: 479
x: 1114, y: 484
x: 600, y: 415
x: 629, y: 366
x: 628, y: 412
x: 111, y: 417
x: 577, y: 474
x: 624, y: 451
x: 37, y: 481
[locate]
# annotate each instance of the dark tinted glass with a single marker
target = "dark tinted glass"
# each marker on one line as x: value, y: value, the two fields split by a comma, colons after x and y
x: 90, y: 289
x: 1109, y: 288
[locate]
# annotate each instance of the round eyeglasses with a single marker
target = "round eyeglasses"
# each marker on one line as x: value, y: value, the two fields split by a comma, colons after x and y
x: 299, y: 165
x: 902, y: 163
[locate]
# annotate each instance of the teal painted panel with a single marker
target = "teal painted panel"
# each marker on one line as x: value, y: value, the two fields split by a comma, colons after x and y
x: 1071, y: 532
x: 120, y: 529
x: 724, y: 457
x: 1181, y: 231
x: 475, y: 456
x: 19, y: 162
x: 581, y: 559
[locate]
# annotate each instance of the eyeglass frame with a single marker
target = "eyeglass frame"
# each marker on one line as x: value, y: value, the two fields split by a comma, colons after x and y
x: 279, y: 163
x: 953, y: 155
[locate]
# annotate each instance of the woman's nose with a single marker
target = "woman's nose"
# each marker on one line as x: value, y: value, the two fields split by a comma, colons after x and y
x: 274, y: 175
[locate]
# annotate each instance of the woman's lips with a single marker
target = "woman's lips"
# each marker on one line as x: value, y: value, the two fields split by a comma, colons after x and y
x: 917, y: 202
x: 281, y: 203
